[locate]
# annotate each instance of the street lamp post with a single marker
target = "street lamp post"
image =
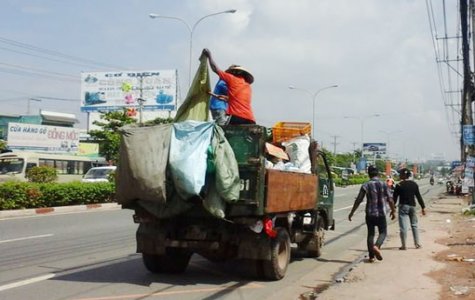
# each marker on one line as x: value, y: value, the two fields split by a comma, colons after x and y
x: 313, y: 97
x: 388, y: 138
x: 29, y: 104
x: 191, y: 29
x: 362, y: 119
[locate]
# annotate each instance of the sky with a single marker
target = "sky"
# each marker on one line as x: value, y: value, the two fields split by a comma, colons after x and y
x: 380, y: 53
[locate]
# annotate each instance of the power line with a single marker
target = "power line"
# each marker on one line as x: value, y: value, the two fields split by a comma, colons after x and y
x: 45, y: 57
x: 54, y: 53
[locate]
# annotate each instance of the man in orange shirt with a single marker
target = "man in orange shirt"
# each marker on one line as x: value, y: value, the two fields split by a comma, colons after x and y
x: 239, y: 82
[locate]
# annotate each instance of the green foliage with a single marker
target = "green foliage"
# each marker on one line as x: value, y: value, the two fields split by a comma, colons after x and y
x: 108, y: 136
x: 159, y: 121
x: 3, y: 145
x: 19, y: 195
x: 42, y: 174
x: 344, y: 160
x: 352, y: 179
x: 469, y: 212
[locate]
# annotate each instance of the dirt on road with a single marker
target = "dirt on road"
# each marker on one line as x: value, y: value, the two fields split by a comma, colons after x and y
x: 457, y: 278
x: 444, y: 268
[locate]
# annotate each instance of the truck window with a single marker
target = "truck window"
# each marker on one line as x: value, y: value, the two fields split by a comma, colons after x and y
x: 321, y: 167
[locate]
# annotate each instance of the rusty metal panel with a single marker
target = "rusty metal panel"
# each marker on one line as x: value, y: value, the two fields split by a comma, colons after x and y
x: 288, y: 191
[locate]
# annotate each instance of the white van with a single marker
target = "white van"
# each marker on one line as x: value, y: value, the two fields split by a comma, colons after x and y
x: 98, y: 174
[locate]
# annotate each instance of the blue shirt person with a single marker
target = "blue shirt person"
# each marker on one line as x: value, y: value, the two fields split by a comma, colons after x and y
x: 219, y: 102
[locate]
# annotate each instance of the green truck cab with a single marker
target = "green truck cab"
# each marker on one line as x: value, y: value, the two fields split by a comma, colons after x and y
x: 275, y: 209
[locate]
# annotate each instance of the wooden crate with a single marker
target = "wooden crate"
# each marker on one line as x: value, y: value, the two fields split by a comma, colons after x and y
x: 289, y: 191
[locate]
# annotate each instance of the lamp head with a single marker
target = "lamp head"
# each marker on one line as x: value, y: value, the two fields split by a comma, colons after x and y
x: 153, y: 16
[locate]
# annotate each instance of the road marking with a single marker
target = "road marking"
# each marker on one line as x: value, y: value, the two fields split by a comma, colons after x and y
x: 346, y: 207
x: 343, y: 208
x: 250, y: 285
x: 27, y: 238
x: 340, y: 195
x: 27, y: 281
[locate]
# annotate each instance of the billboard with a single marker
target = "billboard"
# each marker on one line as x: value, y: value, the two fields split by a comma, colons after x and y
x: 468, y: 134
x: 105, y: 91
x: 374, y: 149
x: 36, y: 137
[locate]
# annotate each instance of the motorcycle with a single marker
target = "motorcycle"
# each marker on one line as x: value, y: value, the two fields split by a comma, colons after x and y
x: 431, y: 181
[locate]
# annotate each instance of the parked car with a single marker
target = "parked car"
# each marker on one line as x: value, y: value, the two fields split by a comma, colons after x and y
x: 98, y: 174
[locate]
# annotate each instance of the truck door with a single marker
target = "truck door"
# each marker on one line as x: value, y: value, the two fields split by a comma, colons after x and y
x: 325, y: 183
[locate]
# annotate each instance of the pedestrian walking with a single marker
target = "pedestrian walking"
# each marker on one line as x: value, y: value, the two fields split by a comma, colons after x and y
x: 378, y: 197
x: 406, y: 191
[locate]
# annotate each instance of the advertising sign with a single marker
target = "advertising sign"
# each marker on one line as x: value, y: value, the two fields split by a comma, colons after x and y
x: 468, y: 134
x: 374, y: 149
x: 455, y: 164
x: 470, y: 162
x: 102, y: 91
x: 36, y: 137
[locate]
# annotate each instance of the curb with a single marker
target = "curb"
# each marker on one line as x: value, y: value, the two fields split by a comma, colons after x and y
x: 4, y: 214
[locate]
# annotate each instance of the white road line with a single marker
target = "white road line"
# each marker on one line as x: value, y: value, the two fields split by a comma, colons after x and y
x: 25, y: 282
x: 346, y: 207
x: 343, y: 208
x: 27, y: 238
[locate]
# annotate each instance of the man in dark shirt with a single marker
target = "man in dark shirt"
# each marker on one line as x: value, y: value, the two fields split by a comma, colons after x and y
x: 377, y: 197
x: 407, y: 190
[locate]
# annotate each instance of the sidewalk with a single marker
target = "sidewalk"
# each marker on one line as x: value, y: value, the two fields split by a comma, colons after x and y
x: 4, y: 214
x: 405, y: 274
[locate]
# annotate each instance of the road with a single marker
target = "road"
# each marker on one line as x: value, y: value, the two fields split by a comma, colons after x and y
x: 91, y: 255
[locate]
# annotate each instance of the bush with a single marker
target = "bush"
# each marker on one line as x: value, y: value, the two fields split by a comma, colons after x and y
x: 42, y: 174
x: 19, y: 195
x: 352, y: 179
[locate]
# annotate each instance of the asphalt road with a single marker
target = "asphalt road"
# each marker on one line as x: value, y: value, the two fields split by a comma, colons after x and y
x: 91, y: 255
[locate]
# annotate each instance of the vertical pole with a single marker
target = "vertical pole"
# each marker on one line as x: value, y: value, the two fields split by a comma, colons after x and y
x: 313, y: 117
x: 140, y: 100
x: 361, y: 137
x: 467, y: 82
x: 472, y: 150
x: 191, y: 55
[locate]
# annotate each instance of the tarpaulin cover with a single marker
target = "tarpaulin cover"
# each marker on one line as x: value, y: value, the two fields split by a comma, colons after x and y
x: 224, y: 183
x: 162, y: 166
x: 143, y: 157
x: 188, y: 154
x: 196, y: 104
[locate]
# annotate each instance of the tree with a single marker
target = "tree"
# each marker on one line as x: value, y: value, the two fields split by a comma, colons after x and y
x: 3, y: 145
x: 108, y: 136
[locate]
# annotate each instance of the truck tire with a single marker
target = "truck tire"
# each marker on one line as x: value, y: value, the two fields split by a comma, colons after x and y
x: 174, y: 261
x: 275, y: 268
x: 314, y: 243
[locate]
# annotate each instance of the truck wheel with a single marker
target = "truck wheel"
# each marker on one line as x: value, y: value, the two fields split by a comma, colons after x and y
x: 314, y: 243
x: 174, y: 261
x: 275, y: 268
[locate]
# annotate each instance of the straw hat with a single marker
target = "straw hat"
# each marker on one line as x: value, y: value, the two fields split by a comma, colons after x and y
x: 238, y: 70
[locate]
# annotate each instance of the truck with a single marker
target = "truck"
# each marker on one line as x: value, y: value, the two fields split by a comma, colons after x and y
x: 275, y: 209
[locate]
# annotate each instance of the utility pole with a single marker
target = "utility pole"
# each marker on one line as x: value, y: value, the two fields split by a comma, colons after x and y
x: 334, y: 143
x: 468, y: 85
x: 467, y: 94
